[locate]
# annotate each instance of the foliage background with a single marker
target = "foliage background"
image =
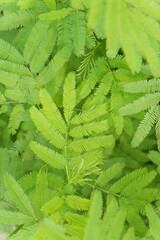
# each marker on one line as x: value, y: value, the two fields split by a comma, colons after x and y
x: 80, y: 119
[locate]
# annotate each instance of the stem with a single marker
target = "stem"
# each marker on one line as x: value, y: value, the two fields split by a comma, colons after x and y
x: 105, y: 191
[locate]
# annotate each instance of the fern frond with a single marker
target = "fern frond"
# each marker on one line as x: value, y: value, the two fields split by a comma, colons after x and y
x: 52, y: 158
x: 46, y: 128
x: 14, y: 218
x: 44, y: 50
x: 15, y: 119
x: 69, y: 96
x: 9, y: 52
x: 150, y: 8
x: 17, y: 19
x: 152, y: 85
x: 53, y: 205
x: 50, y: 71
x: 51, y: 4
x: 112, y: 28
x: 78, y: 203
x: 57, y: 14
x: 37, y: 35
x: 95, y: 213
x: 145, y: 126
x: 132, y: 55
x: 154, y: 221
x: 21, y: 37
x: 17, y: 194
x: 158, y: 129
x: 92, y: 143
x: 127, y: 179
x: 94, y: 77
x: 24, y: 4
x: 154, y: 156
x: 109, y: 174
x: 118, y: 224
x: 78, y: 32
x: 53, y: 229
x: 9, y: 79
x: 143, y: 180
x: 146, y: 44
x: 51, y: 111
x: 42, y: 192
x: 28, y: 180
x: 116, y: 103
x: 140, y: 104
x: 130, y: 234
x: 26, y: 233
x: 89, y: 128
x: 23, y: 96
x: 90, y: 114
x: 14, y: 68
x: 64, y: 33
x: 75, y: 219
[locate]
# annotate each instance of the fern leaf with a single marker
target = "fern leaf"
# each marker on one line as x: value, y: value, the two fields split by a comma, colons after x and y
x: 94, y: 77
x: 154, y: 221
x: 21, y: 37
x: 95, y: 213
x: 50, y: 71
x: 37, y: 34
x: 90, y: 114
x: 23, y: 96
x: 42, y: 192
x: 9, y: 52
x: 146, y: 44
x: 14, y: 218
x: 126, y: 180
x: 64, y: 33
x: 78, y: 31
x: 46, y: 128
x: 26, y: 233
x: 145, y: 126
x: 118, y: 224
x: 132, y: 55
x: 53, y: 229
x: 51, y: 4
x: 141, y: 104
x: 18, y: 195
x: 57, y: 14
x: 24, y: 4
x: 49, y: 156
x: 143, y: 181
x: 78, y: 203
x: 51, y: 111
x: 130, y: 234
x: 44, y: 50
x: 9, y: 79
x: 116, y: 103
x: 14, y: 68
x: 150, y: 8
x: 110, y: 174
x: 112, y: 29
x: 89, y: 128
x: 15, y: 119
x: 158, y: 129
x: 152, y: 85
x: 17, y: 19
x: 75, y: 219
x: 69, y: 96
x: 92, y: 143
x: 53, y: 205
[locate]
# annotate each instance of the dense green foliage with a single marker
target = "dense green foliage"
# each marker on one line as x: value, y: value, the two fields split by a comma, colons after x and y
x: 80, y: 119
